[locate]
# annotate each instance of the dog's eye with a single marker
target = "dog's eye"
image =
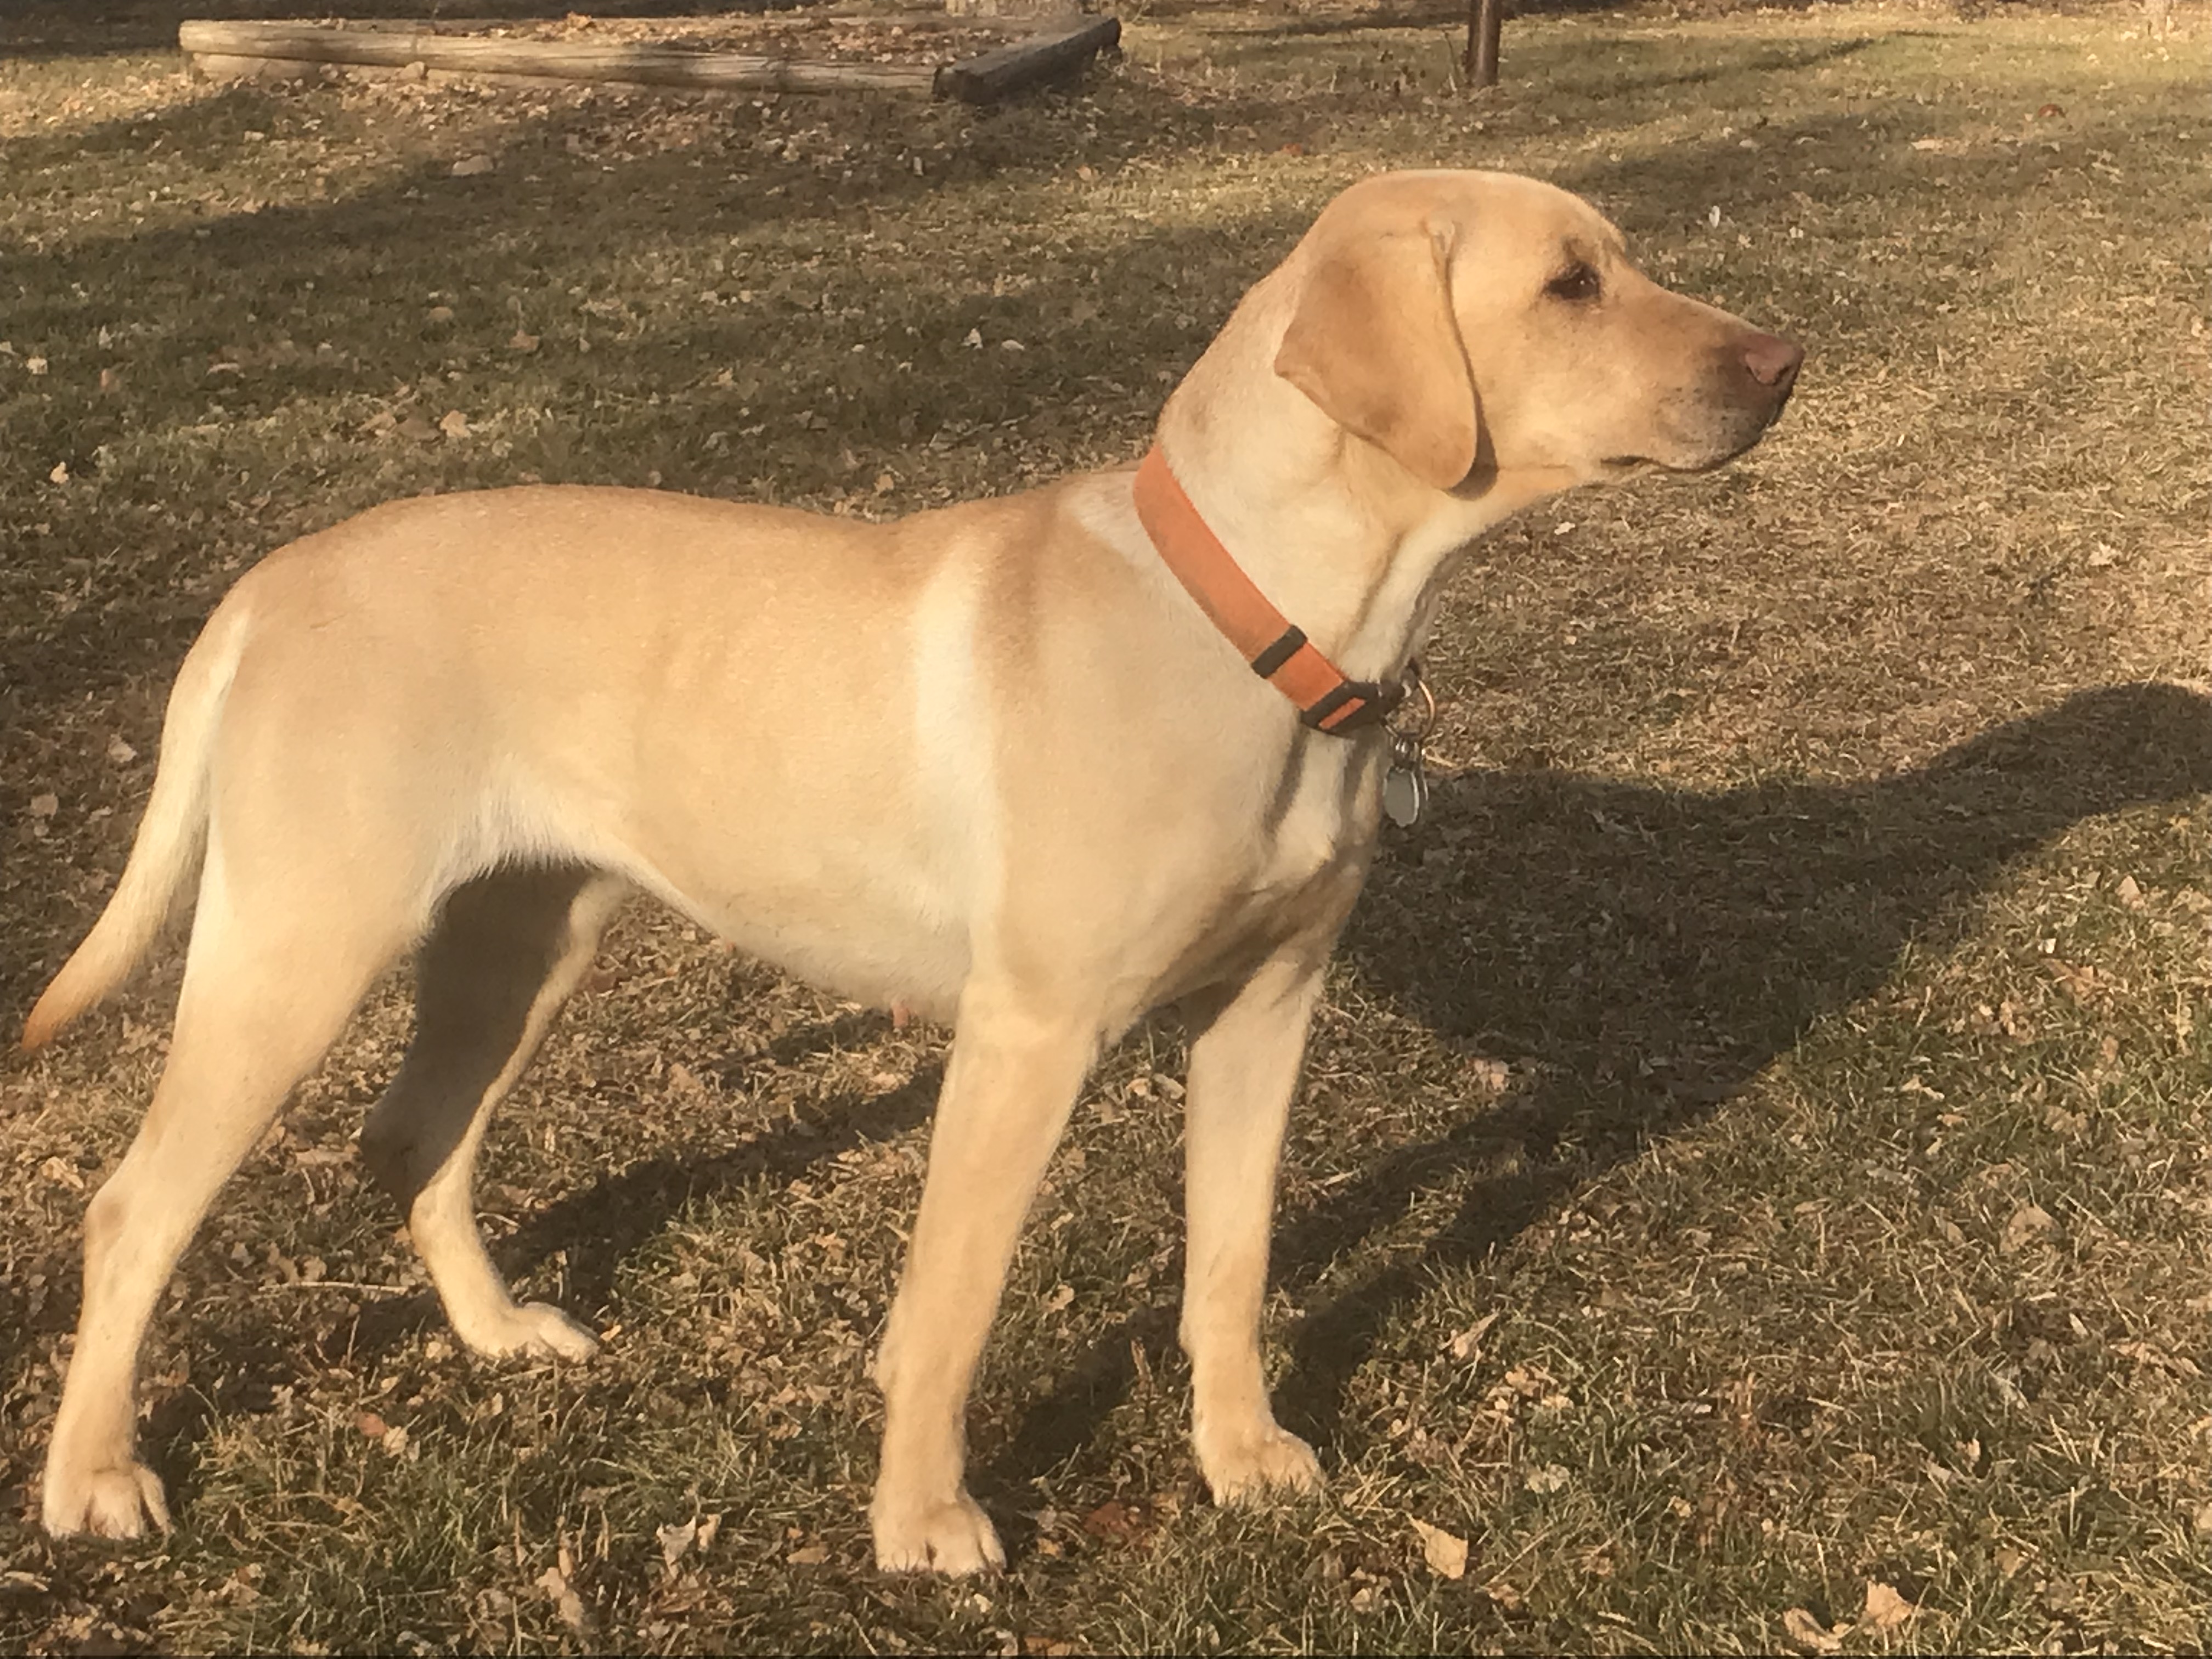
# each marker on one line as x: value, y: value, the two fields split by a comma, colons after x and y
x: 1577, y: 282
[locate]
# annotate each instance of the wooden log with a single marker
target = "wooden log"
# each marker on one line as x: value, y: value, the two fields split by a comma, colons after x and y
x: 996, y: 74
x: 562, y: 60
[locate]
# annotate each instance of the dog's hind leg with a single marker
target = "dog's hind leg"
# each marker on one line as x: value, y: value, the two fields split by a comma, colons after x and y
x: 507, y: 950
x: 269, y: 983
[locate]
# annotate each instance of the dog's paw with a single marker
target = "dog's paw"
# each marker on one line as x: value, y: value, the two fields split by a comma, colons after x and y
x: 955, y: 1539
x: 531, y: 1330
x: 1253, y: 1466
x: 113, y: 1502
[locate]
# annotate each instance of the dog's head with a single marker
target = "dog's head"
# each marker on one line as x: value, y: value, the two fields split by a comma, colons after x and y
x: 1479, y: 324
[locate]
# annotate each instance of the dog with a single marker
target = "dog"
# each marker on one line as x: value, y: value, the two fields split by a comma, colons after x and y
x: 1034, y: 765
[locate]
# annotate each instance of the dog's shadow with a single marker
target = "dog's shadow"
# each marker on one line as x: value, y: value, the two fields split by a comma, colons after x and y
x: 1639, y: 954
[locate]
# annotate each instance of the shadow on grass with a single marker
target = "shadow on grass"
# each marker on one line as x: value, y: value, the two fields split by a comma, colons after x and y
x: 1641, y: 954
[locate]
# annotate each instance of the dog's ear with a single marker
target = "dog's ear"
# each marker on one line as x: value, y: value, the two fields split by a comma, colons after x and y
x: 1374, y: 341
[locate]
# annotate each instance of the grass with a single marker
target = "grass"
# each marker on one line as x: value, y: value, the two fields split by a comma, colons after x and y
x: 1754, y: 1148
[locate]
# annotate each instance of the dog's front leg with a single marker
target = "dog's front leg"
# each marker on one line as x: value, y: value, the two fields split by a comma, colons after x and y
x: 1243, y: 1071
x: 1014, y: 1072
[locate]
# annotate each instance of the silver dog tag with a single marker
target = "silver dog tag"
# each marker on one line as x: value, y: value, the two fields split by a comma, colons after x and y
x: 1405, y: 785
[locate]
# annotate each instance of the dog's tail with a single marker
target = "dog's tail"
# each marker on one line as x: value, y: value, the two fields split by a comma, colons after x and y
x: 171, y: 836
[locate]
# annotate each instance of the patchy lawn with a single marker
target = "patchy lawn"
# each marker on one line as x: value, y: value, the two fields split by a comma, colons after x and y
x: 1752, y: 1179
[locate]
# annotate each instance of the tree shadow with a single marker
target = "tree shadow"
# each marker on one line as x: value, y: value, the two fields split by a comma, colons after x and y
x: 1641, y: 954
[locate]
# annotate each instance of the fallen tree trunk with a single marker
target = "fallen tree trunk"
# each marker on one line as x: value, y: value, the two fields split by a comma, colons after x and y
x: 996, y: 75
x: 552, y: 60
x: 293, y: 48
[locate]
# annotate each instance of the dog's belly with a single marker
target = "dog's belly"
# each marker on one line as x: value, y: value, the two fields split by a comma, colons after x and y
x: 877, y: 945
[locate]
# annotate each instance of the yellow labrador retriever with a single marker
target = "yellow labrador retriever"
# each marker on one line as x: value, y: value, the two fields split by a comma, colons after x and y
x: 1036, y: 765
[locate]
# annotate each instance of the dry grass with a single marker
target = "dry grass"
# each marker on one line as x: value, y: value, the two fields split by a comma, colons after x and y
x: 1755, y: 1146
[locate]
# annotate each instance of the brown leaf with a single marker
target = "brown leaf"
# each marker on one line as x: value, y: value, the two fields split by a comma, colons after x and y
x: 555, y: 1584
x: 454, y: 423
x: 1468, y: 1343
x: 518, y: 341
x: 1119, y: 1522
x: 1444, y: 1551
x: 674, y: 1541
x: 45, y: 806
x: 470, y: 167
x: 1885, y: 1608
x: 810, y: 1555
x: 2029, y: 1223
x: 371, y: 1426
x: 1808, y: 1633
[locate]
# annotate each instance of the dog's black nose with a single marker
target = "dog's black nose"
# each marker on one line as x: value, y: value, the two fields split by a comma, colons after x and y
x: 1773, y: 361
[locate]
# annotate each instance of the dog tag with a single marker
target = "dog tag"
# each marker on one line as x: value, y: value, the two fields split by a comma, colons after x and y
x: 1405, y: 785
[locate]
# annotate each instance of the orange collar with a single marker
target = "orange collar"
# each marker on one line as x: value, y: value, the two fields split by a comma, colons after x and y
x: 1278, y: 652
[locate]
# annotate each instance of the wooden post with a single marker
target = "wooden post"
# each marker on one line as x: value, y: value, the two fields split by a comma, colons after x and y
x: 1483, y: 21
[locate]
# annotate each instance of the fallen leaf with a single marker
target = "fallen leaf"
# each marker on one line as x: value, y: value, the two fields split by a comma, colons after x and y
x: 1885, y: 1608
x: 60, y: 474
x: 811, y: 1555
x: 1117, y: 1523
x: 415, y: 430
x: 454, y: 423
x: 470, y: 167
x: 708, y: 1527
x: 2129, y: 893
x: 442, y: 314
x: 45, y: 806
x: 974, y: 337
x: 555, y: 1584
x: 1807, y: 1632
x: 674, y: 1541
x: 1927, y: 144
x: 120, y: 752
x: 62, y: 1173
x: 1552, y: 1477
x: 2029, y: 1223
x: 519, y: 341
x: 394, y: 1441
x: 35, y: 365
x: 1061, y: 1297
x: 2204, y: 1522
x: 1468, y: 1343
x: 1444, y: 1551
x: 371, y: 1427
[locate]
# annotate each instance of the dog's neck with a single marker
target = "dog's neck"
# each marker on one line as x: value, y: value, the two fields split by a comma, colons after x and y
x: 1349, y: 545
